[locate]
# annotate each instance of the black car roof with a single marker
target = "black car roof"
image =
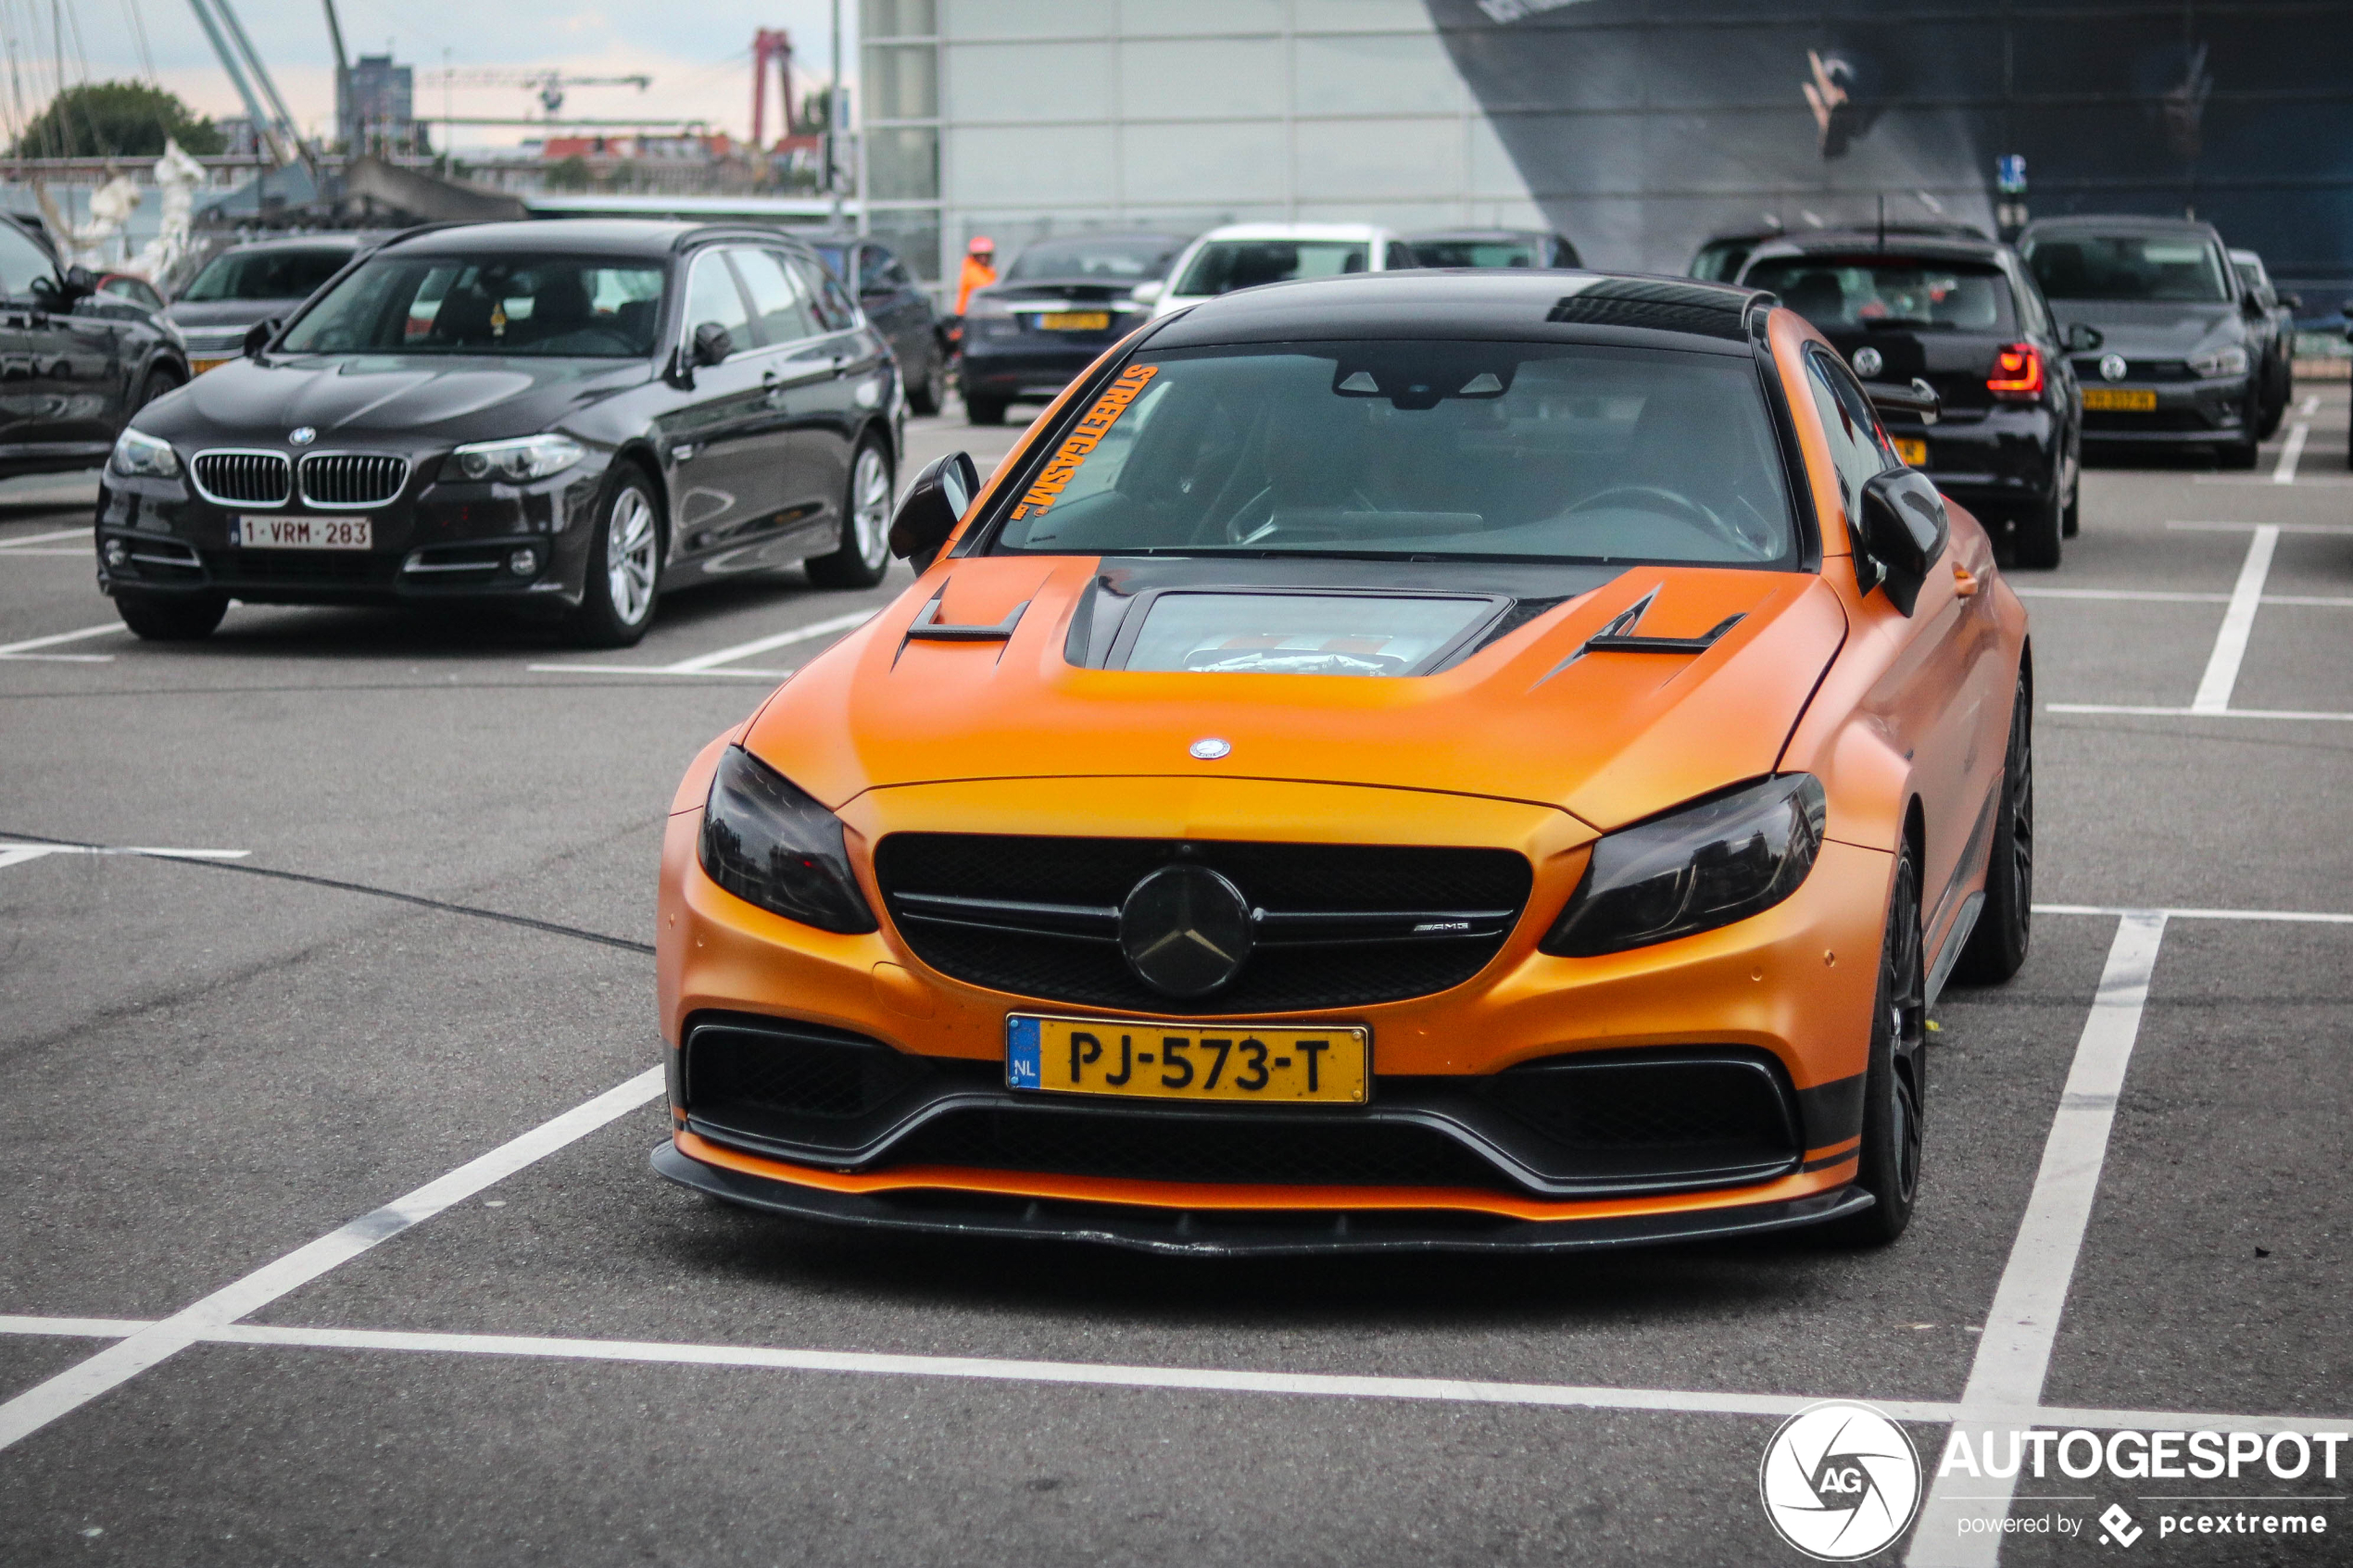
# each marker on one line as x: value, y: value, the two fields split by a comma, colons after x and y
x: 1870, y: 242
x: 2120, y: 223
x: 1497, y: 304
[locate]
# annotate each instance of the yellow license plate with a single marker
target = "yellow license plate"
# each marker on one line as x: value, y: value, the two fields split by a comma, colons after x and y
x: 1914, y: 453
x: 1073, y: 320
x: 1143, y: 1059
x: 2119, y: 399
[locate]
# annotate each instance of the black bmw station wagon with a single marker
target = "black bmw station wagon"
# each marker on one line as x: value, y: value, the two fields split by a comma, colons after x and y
x: 567, y: 416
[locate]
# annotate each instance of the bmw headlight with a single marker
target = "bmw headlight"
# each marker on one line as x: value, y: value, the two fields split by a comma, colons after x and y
x: 526, y: 457
x: 770, y: 844
x: 2229, y: 362
x: 142, y: 457
x: 1694, y: 868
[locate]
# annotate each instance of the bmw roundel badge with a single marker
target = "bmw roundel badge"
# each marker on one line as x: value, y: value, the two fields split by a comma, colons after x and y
x: 302, y: 435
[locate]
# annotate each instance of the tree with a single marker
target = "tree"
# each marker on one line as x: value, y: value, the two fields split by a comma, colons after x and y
x: 115, y: 120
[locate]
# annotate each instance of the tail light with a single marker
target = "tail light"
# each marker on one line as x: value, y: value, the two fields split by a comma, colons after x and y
x: 2018, y: 373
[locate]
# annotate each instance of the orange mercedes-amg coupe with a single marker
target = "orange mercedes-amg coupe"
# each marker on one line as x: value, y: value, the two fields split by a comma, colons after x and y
x: 1431, y: 760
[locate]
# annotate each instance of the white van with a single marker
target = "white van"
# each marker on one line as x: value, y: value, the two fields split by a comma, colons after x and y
x: 1242, y: 256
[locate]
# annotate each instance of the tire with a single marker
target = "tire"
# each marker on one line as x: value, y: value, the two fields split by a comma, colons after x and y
x: 2072, y: 519
x: 2004, y: 922
x: 1890, y: 1163
x: 171, y: 617
x: 2036, y: 543
x: 156, y: 383
x: 624, y: 566
x: 864, y: 554
x: 930, y: 394
x: 985, y: 410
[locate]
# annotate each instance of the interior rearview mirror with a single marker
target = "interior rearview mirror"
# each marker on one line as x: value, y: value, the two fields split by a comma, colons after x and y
x: 257, y: 336
x: 713, y: 343
x: 1904, y: 528
x: 2082, y: 337
x: 933, y: 507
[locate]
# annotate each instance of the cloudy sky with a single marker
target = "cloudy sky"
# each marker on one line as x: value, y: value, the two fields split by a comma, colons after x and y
x: 697, y: 52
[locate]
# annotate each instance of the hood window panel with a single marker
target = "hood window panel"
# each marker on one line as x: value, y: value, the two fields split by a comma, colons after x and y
x: 1261, y: 633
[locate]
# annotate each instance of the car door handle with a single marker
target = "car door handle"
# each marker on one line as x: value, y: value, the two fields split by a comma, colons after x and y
x: 1964, y: 583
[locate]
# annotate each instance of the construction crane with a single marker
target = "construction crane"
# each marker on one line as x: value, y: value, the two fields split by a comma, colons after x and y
x: 550, y: 83
x: 227, y: 36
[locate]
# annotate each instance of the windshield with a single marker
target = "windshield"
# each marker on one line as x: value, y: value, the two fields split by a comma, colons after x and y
x: 1840, y: 295
x: 1477, y: 252
x: 1425, y: 450
x: 267, y: 274
x: 549, y: 305
x: 1240, y: 264
x: 1129, y: 260
x: 2164, y: 266
x: 1720, y: 261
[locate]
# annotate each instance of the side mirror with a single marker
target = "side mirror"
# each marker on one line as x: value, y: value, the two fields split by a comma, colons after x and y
x: 80, y: 280
x: 713, y: 343
x: 1904, y: 528
x: 2252, y: 308
x: 257, y: 336
x: 2082, y: 338
x: 935, y: 504
x: 2293, y: 301
x: 1919, y: 400
x: 1147, y: 293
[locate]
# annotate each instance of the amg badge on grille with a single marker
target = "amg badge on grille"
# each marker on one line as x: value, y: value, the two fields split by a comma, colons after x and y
x: 1185, y: 931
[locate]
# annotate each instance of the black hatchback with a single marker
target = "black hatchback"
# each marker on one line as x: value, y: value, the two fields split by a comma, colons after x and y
x: 1964, y: 315
x: 563, y: 417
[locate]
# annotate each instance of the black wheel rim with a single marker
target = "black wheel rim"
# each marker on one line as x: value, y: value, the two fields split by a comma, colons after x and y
x: 2022, y: 805
x: 1906, y: 987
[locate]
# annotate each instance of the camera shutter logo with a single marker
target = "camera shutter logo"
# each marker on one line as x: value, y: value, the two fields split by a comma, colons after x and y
x: 1868, y: 363
x: 1840, y: 1481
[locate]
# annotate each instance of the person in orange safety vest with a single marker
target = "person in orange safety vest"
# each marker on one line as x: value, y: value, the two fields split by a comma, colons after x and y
x: 980, y: 270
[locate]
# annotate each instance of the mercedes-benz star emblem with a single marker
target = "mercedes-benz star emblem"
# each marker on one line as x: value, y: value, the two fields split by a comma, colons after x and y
x: 302, y: 435
x: 1867, y: 362
x: 1209, y: 748
x: 1185, y: 931
x: 2112, y: 367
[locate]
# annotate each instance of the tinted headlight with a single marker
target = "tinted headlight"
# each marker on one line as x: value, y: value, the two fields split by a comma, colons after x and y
x: 529, y: 457
x: 1694, y: 868
x: 137, y: 455
x: 770, y: 844
x: 2230, y: 361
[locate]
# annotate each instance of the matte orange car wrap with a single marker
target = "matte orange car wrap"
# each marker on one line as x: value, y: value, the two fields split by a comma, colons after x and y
x: 1532, y: 743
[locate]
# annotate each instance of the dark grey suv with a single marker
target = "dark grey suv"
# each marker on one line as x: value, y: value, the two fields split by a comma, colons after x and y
x: 2181, y: 337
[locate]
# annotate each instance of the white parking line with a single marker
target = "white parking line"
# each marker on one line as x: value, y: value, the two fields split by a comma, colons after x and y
x: 2275, y: 527
x: 707, y: 663
x: 124, y: 1360
x: 16, y: 853
x: 2158, y: 595
x: 1096, y: 1375
x: 2238, y: 624
x: 2290, y: 455
x: 2154, y: 712
x: 2013, y: 1353
x: 2316, y: 917
x: 24, y: 649
x: 24, y: 539
x: 2309, y: 407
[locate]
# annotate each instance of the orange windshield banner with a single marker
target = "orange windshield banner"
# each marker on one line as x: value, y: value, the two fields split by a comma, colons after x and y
x: 1064, y: 465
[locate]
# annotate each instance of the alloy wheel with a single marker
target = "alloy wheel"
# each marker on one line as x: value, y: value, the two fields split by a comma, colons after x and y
x: 1908, y: 1034
x: 629, y: 556
x: 870, y: 507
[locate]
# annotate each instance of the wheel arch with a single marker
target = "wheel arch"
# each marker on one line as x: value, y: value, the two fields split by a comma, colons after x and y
x: 639, y: 454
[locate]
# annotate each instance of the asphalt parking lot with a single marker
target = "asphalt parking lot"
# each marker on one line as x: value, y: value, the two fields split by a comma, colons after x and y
x: 327, y: 1235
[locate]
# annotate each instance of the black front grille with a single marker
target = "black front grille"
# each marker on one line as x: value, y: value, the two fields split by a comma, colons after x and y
x: 1638, y: 1101
x: 1159, y: 1146
x: 295, y: 566
x: 1091, y: 876
x: 352, y: 479
x: 778, y: 1069
x: 254, y: 479
x: 2087, y: 370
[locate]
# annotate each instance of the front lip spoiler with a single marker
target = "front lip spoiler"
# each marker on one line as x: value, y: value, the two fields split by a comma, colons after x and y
x: 1261, y: 1234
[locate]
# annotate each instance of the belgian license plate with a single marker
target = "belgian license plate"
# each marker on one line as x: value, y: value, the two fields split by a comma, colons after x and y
x: 1073, y: 320
x: 1143, y: 1059
x: 305, y: 533
x: 2121, y: 400
x: 1913, y: 451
